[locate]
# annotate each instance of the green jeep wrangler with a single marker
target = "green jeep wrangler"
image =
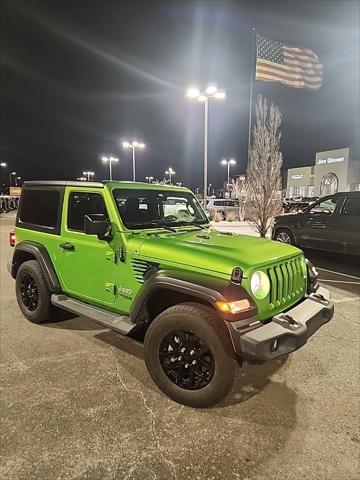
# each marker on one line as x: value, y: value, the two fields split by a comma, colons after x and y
x: 131, y: 255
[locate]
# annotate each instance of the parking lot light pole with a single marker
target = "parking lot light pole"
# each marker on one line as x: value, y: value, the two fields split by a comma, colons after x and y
x: 228, y: 163
x: 149, y: 179
x: 210, y: 92
x: 170, y: 173
x: 110, y: 160
x: 134, y: 145
x: 88, y: 175
x: 10, y: 175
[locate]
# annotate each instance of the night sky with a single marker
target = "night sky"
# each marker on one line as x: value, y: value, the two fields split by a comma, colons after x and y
x: 79, y: 77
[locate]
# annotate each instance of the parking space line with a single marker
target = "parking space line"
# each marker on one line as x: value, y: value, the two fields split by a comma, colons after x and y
x: 337, y: 273
x: 346, y: 300
x: 338, y: 281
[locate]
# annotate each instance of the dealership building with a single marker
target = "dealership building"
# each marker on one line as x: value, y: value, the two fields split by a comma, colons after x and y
x: 334, y: 171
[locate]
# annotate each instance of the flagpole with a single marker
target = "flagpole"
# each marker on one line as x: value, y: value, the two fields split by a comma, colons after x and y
x: 251, y: 88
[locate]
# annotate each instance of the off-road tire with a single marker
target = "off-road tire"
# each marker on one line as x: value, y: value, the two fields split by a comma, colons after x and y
x: 287, y: 232
x: 42, y: 311
x: 205, y: 324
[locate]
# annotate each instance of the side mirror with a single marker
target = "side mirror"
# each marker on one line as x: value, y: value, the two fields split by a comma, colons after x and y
x: 96, y: 224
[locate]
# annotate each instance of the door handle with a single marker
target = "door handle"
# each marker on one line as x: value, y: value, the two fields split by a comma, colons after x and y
x: 67, y: 246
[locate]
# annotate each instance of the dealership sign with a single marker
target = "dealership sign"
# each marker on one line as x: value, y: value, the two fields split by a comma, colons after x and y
x: 322, y: 161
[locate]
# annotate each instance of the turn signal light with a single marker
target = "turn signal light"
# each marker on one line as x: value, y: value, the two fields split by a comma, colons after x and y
x: 233, y: 307
x: 12, y: 239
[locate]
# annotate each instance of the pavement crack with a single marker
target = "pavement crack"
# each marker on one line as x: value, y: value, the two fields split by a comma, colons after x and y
x: 151, y: 413
x: 341, y: 338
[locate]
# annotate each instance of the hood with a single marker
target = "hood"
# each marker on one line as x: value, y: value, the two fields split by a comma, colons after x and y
x: 211, y: 250
x: 288, y: 215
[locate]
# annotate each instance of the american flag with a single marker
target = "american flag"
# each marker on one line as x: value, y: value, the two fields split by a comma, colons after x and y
x: 294, y: 67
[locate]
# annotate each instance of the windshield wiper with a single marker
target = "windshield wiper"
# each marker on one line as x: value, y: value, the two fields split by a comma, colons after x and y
x: 195, y: 224
x: 160, y: 225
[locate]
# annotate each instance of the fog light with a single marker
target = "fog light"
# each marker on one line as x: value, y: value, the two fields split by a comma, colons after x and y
x: 275, y: 345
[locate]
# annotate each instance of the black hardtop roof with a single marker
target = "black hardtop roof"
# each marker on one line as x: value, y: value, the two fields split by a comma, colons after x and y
x: 62, y: 183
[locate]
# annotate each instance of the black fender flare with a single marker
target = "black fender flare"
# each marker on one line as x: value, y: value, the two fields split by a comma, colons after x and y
x: 40, y: 254
x: 203, y: 287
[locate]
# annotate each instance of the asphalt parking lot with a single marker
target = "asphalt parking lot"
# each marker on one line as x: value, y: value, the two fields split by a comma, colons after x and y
x: 78, y: 403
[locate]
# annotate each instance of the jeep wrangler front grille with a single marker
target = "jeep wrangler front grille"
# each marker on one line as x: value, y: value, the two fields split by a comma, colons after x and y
x: 142, y: 268
x: 287, y: 282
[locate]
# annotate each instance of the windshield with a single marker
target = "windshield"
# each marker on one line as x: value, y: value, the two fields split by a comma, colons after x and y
x: 158, y: 208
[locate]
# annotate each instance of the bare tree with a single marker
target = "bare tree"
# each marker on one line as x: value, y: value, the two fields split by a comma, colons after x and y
x: 238, y: 188
x: 263, y: 175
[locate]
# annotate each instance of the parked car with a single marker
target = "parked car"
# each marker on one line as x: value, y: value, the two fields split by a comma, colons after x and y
x: 222, y: 206
x: 297, y: 204
x: 8, y: 203
x: 111, y: 251
x: 331, y: 223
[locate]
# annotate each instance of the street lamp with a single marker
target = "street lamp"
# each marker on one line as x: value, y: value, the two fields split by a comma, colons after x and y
x: 16, y: 181
x: 228, y: 163
x: 88, y: 175
x: 134, y: 145
x: 170, y: 173
x: 3, y: 164
x: 81, y: 179
x: 10, y: 174
x: 210, y: 92
x: 110, y: 160
x: 149, y: 179
x: 179, y: 184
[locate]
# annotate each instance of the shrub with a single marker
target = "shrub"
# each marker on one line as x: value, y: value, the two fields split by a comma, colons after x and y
x: 217, y: 217
x: 230, y: 217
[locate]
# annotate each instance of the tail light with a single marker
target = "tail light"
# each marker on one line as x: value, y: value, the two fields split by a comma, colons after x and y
x: 12, y: 239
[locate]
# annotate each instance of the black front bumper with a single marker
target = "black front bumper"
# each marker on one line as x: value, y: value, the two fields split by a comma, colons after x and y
x: 286, y: 332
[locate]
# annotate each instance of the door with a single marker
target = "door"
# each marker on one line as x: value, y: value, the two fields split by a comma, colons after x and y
x: 87, y: 265
x: 346, y: 225
x: 317, y: 224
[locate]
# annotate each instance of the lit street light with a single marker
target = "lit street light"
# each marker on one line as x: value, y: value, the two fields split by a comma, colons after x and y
x: 88, y: 175
x: 3, y: 164
x: 210, y: 92
x: 179, y: 184
x: 149, y: 179
x: 134, y: 145
x: 81, y: 179
x: 170, y: 173
x: 110, y: 160
x: 10, y: 174
x: 228, y: 163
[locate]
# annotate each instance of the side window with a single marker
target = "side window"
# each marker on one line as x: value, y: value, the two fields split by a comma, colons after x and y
x: 327, y: 206
x: 81, y: 204
x: 40, y: 207
x: 351, y: 206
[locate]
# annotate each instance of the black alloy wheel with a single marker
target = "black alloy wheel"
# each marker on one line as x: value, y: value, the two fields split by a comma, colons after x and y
x: 29, y: 292
x: 186, y: 360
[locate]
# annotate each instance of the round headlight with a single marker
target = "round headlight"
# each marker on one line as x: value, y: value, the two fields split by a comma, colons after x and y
x: 260, y: 284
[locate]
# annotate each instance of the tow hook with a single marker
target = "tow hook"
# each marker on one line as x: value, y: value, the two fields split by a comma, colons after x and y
x: 318, y: 296
x: 286, y: 321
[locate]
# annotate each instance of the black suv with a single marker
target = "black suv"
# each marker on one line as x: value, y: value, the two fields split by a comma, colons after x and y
x: 332, y: 223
